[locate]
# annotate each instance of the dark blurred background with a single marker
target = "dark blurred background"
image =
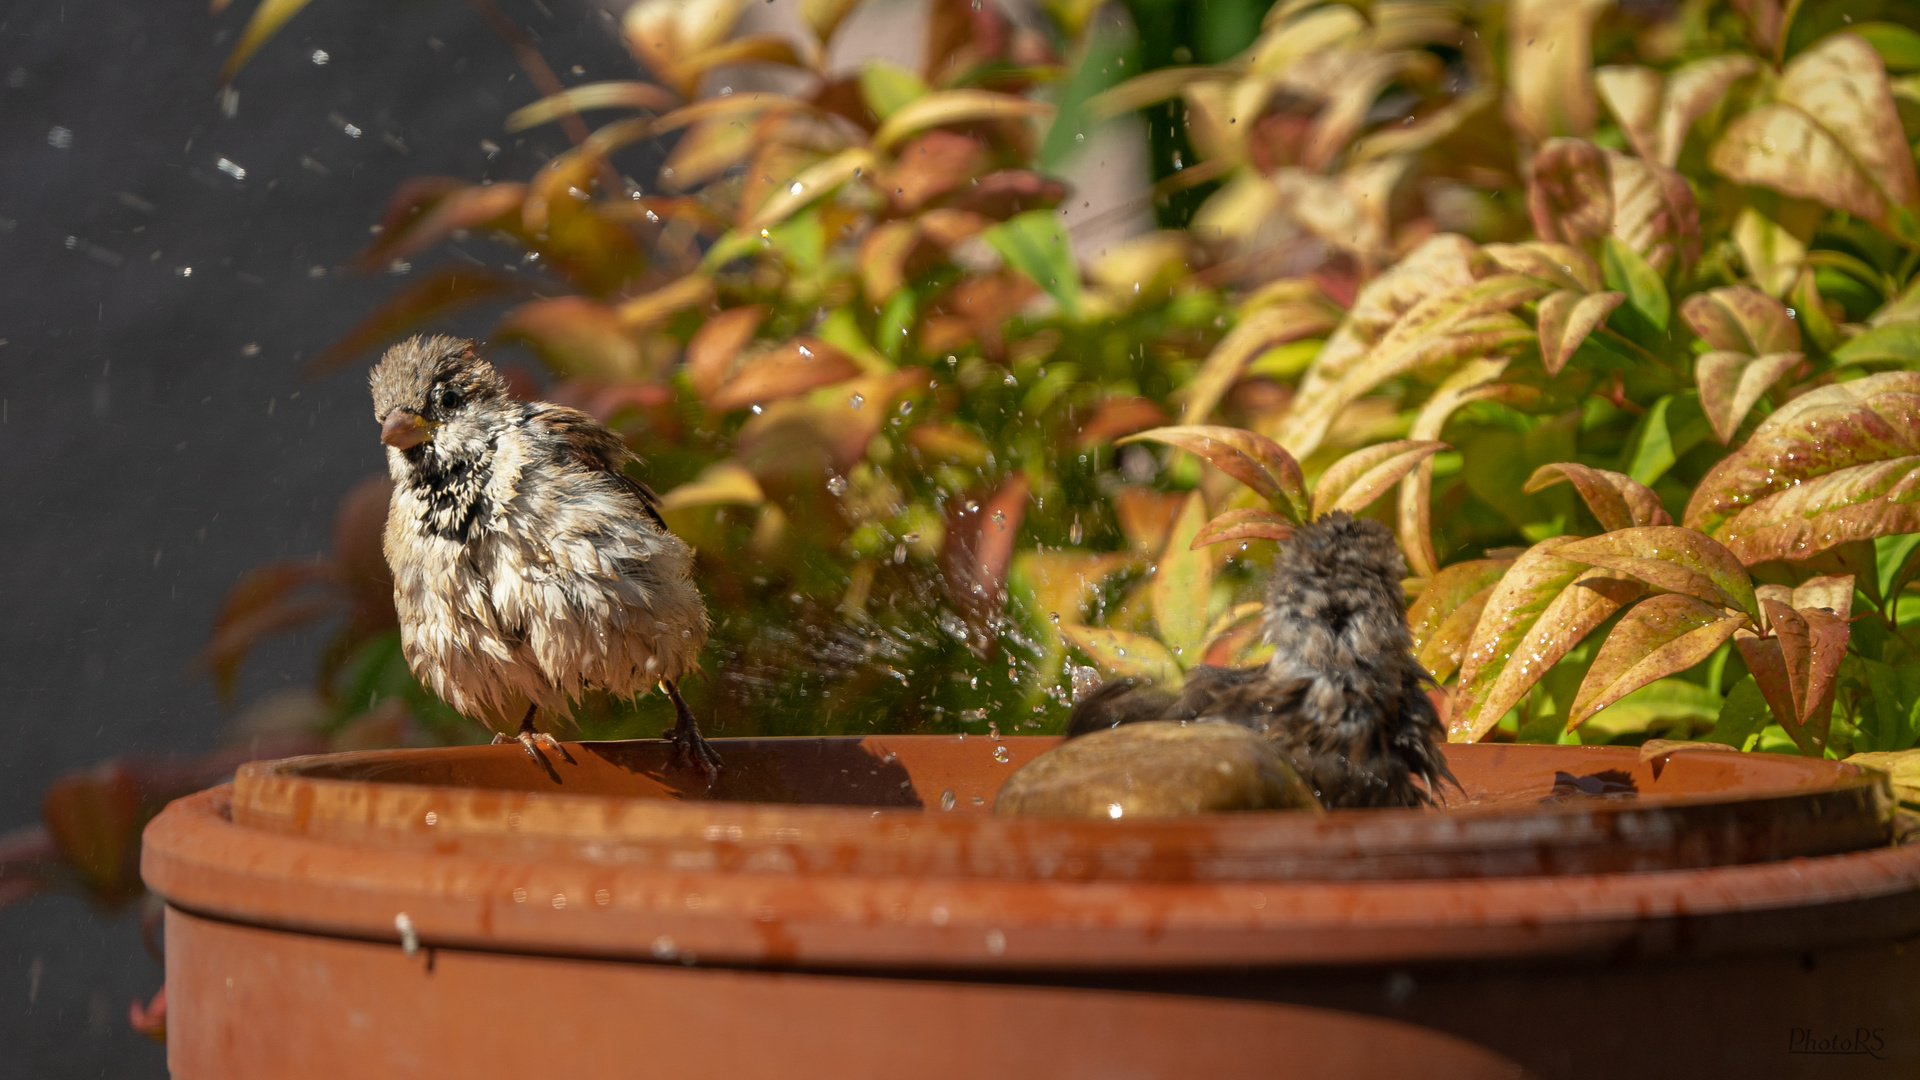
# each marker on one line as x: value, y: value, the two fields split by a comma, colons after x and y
x: 171, y: 260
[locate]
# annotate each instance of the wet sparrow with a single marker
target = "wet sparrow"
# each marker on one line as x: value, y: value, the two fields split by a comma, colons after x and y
x: 528, y: 567
x: 1342, y: 696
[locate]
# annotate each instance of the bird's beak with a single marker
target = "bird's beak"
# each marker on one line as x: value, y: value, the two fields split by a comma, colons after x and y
x: 405, y: 429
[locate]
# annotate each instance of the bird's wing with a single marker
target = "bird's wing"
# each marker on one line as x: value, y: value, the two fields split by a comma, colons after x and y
x: 1122, y: 701
x: 590, y: 444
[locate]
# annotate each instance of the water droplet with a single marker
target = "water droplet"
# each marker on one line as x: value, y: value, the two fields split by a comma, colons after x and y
x: 797, y: 188
x: 855, y: 402
x: 320, y: 57
x: 806, y: 353
x: 946, y: 799
x: 231, y: 169
x: 59, y: 138
x: 837, y: 485
x: 1001, y: 755
x: 1115, y: 810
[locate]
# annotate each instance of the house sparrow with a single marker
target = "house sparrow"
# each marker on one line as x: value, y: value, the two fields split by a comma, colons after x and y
x: 528, y: 567
x: 1342, y: 696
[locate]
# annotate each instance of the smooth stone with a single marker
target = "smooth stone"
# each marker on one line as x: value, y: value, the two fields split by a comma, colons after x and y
x: 1156, y: 770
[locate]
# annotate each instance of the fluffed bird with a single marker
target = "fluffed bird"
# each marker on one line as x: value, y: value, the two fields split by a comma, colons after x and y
x: 1342, y: 696
x: 528, y: 567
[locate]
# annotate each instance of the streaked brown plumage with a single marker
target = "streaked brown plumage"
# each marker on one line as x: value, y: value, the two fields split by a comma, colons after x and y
x: 528, y: 567
x: 1342, y: 696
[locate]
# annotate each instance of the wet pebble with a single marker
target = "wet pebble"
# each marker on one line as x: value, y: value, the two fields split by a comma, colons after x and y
x: 1156, y: 770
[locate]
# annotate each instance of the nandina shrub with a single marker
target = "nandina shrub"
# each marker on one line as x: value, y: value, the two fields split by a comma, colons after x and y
x: 1608, y: 312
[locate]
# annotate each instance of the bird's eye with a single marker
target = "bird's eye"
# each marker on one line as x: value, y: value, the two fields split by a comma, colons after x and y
x: 447, y: 398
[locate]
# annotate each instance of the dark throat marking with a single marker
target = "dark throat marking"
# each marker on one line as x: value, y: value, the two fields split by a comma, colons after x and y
x: 455, y: 491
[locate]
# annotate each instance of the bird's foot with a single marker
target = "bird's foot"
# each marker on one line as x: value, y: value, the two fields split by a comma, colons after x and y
x: 529, y: 740
x: 690, y: 751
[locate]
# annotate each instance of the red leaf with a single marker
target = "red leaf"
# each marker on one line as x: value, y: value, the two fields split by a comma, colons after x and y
x: 978, y: 547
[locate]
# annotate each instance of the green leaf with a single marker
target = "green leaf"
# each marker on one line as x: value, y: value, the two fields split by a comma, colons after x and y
x: 1674, y: 425
x: 1667, y: 699
x: 1896, y: 565
x: 887, y: 88
x: 1742, y: 716
x: 1897, y: 343
x: 1627, y: 272
x: 1890, y: 713
x: 1101, y: 63
x: 1899, y: 47
x: 1036, y: 244
x: 1442, y: 618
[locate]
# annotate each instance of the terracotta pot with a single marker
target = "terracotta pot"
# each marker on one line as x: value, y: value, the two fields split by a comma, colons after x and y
x: 849, y: 907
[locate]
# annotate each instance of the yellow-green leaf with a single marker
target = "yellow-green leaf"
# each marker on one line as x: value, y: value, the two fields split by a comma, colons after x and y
x: 1182, y: 584
x: 1124, y: 655
x: 1353, y: 482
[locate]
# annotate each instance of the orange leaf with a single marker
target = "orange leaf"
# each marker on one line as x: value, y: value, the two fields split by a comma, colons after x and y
x: 1117, y: 416
x: 1443, y: 616
x: 1834, y: 465
x: 425, y: 211
x: 1731, y: 382
x: 1564, y: 320
x: 1617, y: 500
x: 1672, y: 558
x: 711, y: 353
x: 1146, y: 516
x: 1248, y: 457
x: 1660, y: 636
x: 575, y: 336
x: 778, y: 371
x: 1243, y: 524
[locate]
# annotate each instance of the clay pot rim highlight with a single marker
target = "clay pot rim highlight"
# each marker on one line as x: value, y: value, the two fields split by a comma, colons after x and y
x: 201, y: 861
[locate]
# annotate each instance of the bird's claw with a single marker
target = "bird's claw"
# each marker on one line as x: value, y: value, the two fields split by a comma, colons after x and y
x: 690, y: 751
